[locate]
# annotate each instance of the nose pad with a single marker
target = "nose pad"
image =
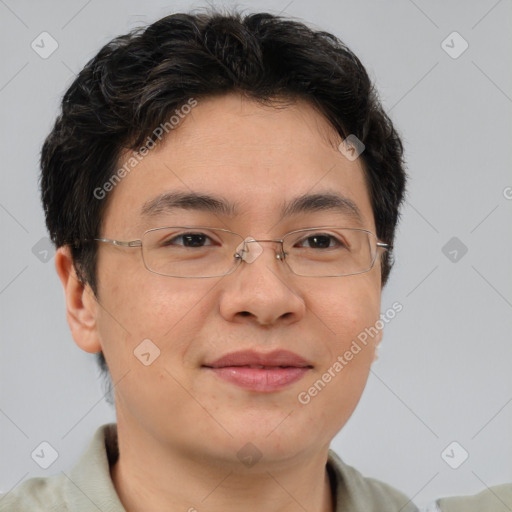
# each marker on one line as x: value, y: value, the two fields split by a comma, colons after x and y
x: 249, y: 250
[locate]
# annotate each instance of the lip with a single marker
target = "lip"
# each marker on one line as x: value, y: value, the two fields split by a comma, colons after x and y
x: 261, y: 372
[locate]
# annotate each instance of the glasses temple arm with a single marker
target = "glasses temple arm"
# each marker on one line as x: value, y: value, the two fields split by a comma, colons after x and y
x: 131, y: 243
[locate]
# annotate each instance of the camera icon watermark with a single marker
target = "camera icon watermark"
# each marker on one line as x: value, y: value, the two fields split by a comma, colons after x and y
x: 249, y: 250
x: 249, y: 455
x: 507, y: 193
x: 454, y: 45
x: 44, y: 455
x: 146, y: 352
x: 454, y: 249
x: 44, y: 45
x: 454, y: 455
x: 351, y: 147
x: 43, y: 250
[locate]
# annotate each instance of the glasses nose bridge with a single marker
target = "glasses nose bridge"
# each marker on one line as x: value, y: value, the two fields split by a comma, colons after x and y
x: 277, y: 240
x: 249, y: 259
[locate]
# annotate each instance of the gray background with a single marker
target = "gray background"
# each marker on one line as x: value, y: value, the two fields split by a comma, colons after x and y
x: 444, y: 371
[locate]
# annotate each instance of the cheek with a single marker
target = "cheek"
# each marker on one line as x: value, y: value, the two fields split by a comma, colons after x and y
x: 169, y: 312
x: 347, y: 313
x: 346, y: 309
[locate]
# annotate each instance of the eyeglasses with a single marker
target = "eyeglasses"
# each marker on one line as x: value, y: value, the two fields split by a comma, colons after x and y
x: 200, y: 252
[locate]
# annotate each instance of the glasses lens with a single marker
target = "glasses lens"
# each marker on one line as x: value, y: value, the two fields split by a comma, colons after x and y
x: 324, y: 252
x: 184, y: 251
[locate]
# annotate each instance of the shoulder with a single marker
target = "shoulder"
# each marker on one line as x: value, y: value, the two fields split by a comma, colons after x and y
x: 36, y: 495
x: 493, y: 499
x: 365, y: 494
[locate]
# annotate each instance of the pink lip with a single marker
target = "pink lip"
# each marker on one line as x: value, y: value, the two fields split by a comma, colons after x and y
x: 260, y: 372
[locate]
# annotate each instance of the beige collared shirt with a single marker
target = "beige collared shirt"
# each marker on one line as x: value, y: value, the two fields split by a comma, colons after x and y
x: 493, y: 499
x: 88, y: 486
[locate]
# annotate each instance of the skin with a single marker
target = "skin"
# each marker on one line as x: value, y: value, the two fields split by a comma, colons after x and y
x: 179, y: 426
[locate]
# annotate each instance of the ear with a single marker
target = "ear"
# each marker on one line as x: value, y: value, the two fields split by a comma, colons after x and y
x: 81, y: 304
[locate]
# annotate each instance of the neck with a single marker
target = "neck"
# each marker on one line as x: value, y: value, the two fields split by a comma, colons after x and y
x: 147, y: 477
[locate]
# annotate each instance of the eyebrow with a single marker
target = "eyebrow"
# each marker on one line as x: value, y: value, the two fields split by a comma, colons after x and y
x: 306, y: 203
x: 330, y: 202
x: 187, y: 201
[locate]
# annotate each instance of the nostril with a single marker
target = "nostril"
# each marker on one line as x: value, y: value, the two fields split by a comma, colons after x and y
x: 245, y: 313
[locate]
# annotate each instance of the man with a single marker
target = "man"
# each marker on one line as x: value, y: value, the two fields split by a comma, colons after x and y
x: 223, y: 192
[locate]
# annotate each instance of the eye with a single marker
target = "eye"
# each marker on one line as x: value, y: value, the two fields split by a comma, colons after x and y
x: 187, y: 240
x: 322, y: 241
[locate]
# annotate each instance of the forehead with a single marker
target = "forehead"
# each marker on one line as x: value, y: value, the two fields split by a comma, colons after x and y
x: 260, y: 162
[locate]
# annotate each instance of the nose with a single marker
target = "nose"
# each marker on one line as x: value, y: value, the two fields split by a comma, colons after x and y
x: 260, y: 290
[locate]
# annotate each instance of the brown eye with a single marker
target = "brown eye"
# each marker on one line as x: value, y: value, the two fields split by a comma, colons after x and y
x: 322, y: 241
x: 187, y: 240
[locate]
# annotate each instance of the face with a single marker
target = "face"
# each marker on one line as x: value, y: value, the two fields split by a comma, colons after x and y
x: 258, y: 159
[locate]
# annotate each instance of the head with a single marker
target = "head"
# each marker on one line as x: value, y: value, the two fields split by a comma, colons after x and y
x: 250, y: 110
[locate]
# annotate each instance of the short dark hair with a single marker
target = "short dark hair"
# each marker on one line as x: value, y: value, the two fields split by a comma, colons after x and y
x: 136, y: 80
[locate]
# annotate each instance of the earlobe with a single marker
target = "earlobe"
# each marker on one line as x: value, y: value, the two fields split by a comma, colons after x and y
x: 81, y: 305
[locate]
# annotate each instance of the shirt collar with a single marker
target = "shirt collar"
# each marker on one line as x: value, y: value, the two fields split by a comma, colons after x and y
x: 89, y: 482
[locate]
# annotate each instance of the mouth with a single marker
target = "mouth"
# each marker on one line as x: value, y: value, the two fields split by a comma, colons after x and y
x: 260, y: 372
